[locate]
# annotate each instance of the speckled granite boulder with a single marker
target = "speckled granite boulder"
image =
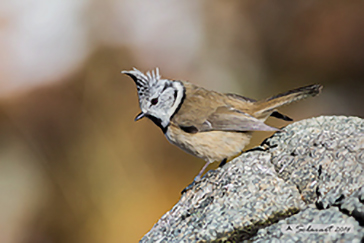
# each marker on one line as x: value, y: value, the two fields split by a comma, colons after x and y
x: 313, y: 172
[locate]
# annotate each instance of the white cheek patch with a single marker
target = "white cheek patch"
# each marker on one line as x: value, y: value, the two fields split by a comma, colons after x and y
x: 170, y: 97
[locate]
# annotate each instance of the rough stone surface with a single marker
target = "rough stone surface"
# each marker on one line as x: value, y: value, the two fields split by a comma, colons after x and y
x: 312, y: 216
x: 312, y: 172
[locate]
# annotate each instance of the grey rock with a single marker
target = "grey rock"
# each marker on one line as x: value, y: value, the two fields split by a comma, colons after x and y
x: 311, y: 173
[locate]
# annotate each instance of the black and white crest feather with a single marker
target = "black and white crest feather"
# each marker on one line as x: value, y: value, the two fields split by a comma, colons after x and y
x: 143, y: 81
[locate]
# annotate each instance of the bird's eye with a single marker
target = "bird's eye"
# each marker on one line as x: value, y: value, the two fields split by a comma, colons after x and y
x: 154, y: 101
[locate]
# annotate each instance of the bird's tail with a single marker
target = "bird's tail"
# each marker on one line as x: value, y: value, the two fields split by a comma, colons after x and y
x: 264, y: 108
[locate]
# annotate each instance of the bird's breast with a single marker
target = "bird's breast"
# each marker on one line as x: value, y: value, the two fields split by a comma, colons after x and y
x: 210, y: 146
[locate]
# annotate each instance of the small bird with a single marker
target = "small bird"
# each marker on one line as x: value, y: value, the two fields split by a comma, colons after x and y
x: 210, y: 125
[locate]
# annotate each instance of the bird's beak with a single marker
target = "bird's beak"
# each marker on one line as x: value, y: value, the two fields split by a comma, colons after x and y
x: 139, y: 116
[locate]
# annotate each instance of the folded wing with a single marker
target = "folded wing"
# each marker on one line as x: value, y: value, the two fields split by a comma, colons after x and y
x: 226, y: 119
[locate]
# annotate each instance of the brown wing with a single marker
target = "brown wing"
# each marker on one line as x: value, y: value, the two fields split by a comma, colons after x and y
x: 204, y: 111
x: 240, y: 97
x: 227, y: 119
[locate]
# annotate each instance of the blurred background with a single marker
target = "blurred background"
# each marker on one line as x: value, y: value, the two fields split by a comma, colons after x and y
x: 74, y: 167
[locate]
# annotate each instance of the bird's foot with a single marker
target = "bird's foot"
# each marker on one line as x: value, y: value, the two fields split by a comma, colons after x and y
x: 187, y: 188
x: 192, y: 184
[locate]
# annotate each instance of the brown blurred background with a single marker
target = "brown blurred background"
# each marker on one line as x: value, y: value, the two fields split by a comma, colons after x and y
x: 74, y: 167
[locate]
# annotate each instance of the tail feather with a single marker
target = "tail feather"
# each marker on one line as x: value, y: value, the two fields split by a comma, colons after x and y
x: 265, y: 107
